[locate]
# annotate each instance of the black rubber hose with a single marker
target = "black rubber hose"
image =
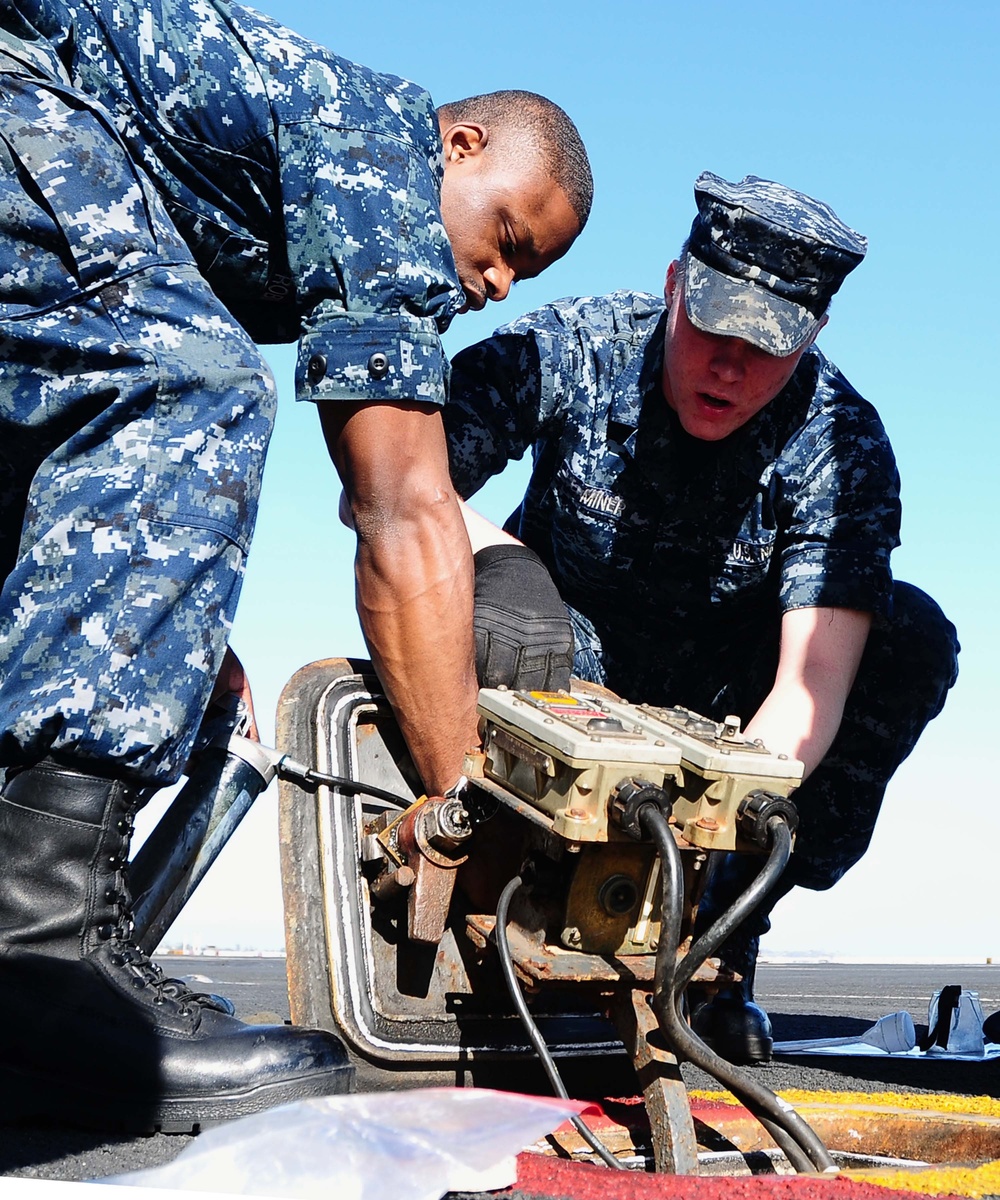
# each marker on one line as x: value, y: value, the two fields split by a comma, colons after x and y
x: 310, y: 775
x: 675, y: 1029
x: 778, y: 855
x: 532, y: 1030
x: 790, y: 1132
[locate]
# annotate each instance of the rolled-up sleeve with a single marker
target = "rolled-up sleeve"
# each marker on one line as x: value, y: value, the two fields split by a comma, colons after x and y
x: 374, y: 271
x: 508, y: 391
x: 359, y: 172
x: 840, y: 490
x: 492, y: 413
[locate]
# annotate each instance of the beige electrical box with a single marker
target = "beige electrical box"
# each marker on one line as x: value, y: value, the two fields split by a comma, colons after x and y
x: 565, y: 753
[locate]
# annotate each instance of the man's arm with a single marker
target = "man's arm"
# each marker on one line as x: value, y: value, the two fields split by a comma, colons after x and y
x: 414, y: 575
x: 483, y: 532
x: 821, y: 649
x: 500, y: 398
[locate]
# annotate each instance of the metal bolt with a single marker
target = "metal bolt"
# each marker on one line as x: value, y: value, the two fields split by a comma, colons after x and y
x: 445, y: 822
x: 572, y: 936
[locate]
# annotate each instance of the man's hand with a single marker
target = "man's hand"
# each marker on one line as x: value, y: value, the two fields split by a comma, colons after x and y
x: 414, y: 575
x: 232, y: 679
x: 821, y: 650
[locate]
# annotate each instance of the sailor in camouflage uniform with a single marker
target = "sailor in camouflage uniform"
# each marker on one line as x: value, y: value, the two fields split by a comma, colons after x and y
x: 178, y: 176
x: 717, y: 506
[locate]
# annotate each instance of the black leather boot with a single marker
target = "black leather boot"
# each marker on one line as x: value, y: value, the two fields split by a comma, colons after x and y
x: 90, y: 1030
x: 729, y: 1022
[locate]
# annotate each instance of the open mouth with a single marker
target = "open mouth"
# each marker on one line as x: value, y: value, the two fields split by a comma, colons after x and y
x: 715, y: 402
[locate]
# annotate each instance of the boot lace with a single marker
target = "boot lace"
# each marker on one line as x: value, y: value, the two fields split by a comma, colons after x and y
x: 129, y: 955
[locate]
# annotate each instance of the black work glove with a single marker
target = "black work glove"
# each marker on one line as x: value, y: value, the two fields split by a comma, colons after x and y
x: 523, y: 634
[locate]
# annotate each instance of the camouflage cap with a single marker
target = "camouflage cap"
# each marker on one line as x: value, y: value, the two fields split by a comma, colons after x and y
x: 763, y: 262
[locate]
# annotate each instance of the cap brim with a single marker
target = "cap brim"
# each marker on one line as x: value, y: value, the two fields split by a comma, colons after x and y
x: 720, y: 304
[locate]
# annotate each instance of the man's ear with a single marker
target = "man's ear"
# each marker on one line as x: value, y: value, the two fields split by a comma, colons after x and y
x: 463, y: 141
x: 823, y: 320
x: 670, y: 283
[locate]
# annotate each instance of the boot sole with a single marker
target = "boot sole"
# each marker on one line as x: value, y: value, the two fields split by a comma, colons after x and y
x: 29, y: 1098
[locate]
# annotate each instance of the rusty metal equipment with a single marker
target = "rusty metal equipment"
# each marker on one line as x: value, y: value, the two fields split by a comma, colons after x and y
x: 598, y: 809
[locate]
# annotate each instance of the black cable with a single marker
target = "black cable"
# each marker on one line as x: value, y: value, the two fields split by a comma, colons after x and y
x: 667, y: 987
x: 790, y: 1132
x: 802, y: 1147
x: 532, y: 1030
x: 778, y: 855
x: 666, y: 980
x: 309, y: 775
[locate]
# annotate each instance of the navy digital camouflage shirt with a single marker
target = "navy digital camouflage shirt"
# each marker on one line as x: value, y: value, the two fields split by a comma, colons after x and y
x: 681, y: 554
x: 306, y: 186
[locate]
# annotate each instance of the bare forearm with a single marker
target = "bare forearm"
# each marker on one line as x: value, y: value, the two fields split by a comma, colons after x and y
x: 482, y: 532
x: 415, y: 605
x: 414, y: 575
x: 821, y: 649
x: 798, y: 720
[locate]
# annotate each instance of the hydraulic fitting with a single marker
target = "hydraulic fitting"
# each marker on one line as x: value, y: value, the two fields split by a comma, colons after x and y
x: 757, y: 808
x: 629, y: 797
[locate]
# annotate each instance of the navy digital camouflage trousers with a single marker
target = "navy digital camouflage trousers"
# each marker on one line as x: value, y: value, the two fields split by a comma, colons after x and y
x: 134, y: 420
x: 909, y: 663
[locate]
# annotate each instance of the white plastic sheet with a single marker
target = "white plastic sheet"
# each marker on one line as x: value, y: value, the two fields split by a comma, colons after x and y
x: 413, y: 1145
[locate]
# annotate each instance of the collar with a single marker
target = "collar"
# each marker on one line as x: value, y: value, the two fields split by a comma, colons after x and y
x: 639, y: 378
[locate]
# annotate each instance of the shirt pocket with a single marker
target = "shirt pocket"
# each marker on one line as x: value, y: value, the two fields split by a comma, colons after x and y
x: 76, y: 212
x: 749, y: 559
x: 593, y: 535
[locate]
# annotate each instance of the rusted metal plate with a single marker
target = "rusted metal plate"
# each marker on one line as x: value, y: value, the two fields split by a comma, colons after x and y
x: 632, y: 932
x: 541, y: 962
x: 521, y: 749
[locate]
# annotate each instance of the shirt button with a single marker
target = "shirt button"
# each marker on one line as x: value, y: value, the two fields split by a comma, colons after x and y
x: 316, y: 370
x: 378, y: 365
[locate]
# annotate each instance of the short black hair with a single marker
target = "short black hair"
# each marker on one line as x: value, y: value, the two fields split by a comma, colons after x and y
x: 538, y: 122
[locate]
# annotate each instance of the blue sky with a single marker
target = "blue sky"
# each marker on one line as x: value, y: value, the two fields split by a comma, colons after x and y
x: 889, y: 112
